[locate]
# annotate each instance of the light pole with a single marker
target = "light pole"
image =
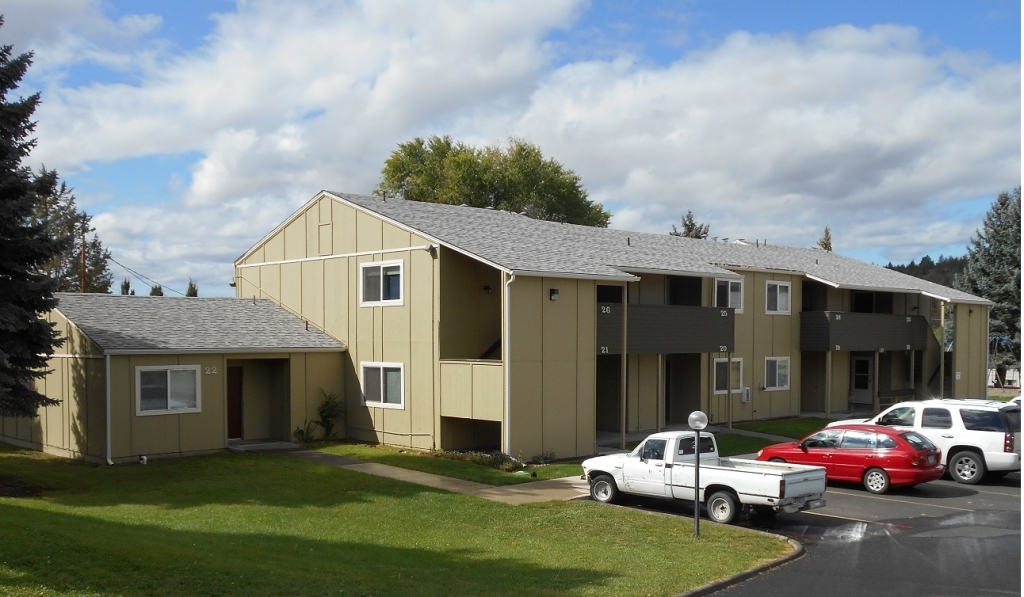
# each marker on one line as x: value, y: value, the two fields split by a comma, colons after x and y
x: 697, y: 421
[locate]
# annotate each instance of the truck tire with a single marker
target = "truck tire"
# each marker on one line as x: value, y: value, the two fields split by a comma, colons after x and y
x: 603, y: 489
x: 722, y: 507
x: 876, y: 481
x: 966, y: 467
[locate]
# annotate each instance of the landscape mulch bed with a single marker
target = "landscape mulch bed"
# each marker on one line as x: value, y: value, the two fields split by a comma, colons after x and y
x: 13, y: 487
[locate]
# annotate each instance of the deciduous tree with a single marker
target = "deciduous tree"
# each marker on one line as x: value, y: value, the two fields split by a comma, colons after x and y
x: 514, y: 177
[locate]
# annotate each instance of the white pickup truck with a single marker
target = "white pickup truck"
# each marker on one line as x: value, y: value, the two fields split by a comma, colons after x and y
x: 663, y: 466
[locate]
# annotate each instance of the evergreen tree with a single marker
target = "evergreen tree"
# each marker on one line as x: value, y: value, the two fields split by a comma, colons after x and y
x: 993, y: 271
x: 825, y: 242
x: 63, y: 220
x: 193, y: 288
x: 26, y: 293
x: 126, y: 287
x: 157, y: 290
x: 691, y: 228
x: 515, y: 177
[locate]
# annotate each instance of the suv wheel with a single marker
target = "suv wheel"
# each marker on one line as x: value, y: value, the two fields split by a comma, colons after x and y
x: 966, y: 467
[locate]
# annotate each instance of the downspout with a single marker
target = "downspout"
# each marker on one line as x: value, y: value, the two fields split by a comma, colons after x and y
x: 110, y: 460
x: 506, y: 357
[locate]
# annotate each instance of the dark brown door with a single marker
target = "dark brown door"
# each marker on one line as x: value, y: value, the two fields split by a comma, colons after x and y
x: 234, y: 402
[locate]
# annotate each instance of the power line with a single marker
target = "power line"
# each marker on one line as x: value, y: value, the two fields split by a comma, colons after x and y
x: 150, y: 280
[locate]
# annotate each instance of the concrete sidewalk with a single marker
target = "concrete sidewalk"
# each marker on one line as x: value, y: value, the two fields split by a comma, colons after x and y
x: 566, y: 488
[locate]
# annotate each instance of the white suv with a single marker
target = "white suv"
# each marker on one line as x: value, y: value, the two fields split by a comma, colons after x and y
x: 977, y: 437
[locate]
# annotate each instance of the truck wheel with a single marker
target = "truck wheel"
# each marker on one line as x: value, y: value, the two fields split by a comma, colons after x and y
x: 603, y: 489
x: 876, y: 481
x: 722, y: 507
x: 966, y: 467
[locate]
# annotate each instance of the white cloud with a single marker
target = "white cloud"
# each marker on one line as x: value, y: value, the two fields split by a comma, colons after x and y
x: 864, y: 130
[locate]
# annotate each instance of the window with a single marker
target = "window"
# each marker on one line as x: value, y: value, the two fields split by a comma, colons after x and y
x: 936, y: 418
x: 901, y: 416
x: 724, y: 374
x: 654, y: 449
x: 383, y: 385
x: 826, y: 438
x: 776, y: 373
x: 982, y: 420
x: 729, y: 293
x: 858, y: 440
x: 777, y: 301
x: 886, y: 442
x: 919, y: 441
x: 381, y: 283
x: 167, y: 390
x: 707, y: 445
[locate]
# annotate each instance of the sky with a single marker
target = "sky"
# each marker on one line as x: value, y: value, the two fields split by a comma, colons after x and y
x: 190, y: 129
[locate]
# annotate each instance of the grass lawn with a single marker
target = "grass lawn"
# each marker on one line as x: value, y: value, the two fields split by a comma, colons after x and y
x: 795, y: 428
x: 731, y: 444
x: 258, y: 524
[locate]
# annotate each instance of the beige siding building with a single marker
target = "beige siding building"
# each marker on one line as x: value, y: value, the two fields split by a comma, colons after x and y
x: 477, y: 328
x: 161, y: 376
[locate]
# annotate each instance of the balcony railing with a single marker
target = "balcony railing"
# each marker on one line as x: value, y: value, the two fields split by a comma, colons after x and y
x: 836, y: 330
x: 472, y: 389
x: 665, y: 329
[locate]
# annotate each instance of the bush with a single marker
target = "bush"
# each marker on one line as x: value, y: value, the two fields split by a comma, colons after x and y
x: 331, y: 409
x: 496, y: 459
x: 545, y: 457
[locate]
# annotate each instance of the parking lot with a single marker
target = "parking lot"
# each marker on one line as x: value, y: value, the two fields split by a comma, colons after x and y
x: 940, y: 538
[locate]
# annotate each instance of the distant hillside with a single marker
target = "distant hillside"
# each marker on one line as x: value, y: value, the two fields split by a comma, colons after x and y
x: 942, y: 271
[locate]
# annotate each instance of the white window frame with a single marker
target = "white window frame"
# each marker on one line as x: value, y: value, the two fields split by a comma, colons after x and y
x: 168, y: 411
x: 767, y: 291
x: 363, y: 366
x: 731, y: 281
x: 738, y: 380
x: 381, y: 265
x: 776, y: 361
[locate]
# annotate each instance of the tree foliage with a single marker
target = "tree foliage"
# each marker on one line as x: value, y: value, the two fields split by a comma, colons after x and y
x: 156, y: 290
x: 26, y: 292
x: 691, y: 228
x: 514, y: 177
x: 993, y: 271
x: 193, y: 288
x: 63, y: 220
x: 941, y: 271
x: 825, y: 242
x: 126, y: 287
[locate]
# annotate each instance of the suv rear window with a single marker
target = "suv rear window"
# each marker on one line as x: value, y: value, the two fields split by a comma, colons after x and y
x: 982, y: 420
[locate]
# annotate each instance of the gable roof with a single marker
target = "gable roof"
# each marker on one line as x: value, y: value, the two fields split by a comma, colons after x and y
x: 525, y: 246
x: 121, y: 324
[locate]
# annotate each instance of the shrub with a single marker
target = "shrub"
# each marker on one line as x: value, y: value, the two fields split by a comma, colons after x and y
x: 545, y: 457
x: 496, y: 459
x: 331, y: 409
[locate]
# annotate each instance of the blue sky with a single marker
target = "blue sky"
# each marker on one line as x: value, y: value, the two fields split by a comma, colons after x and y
x: 189, y: 129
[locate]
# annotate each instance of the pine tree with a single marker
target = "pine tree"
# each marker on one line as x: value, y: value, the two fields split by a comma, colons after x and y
x: 126, y: 287
x: 157, y: 290
x: 691, y: 229
x: 63, y: 220
x: 26, y: 293
x: 993, y: 272
x: 825, y: 242
x: 193, y: 288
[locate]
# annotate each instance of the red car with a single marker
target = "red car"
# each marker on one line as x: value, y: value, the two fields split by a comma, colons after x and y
x: 875, y: 455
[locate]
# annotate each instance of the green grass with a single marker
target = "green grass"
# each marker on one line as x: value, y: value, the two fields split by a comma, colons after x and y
x: 467, y: 471
x: 259, y: 524
x: 795, y: 428
x: 731, y: 444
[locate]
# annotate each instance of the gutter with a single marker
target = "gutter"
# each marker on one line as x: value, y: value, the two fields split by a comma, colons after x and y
x: 506, y: 357
x: 110, y: 460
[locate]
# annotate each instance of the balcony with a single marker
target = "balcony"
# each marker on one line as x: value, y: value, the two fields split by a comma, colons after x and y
x: 665, y: 329
x: 472, y: 389
x: 835, y: 330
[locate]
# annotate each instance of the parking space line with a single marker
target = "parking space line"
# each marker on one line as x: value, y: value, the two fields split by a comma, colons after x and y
x: 999, y: 493
x: 880, y: 498
x: 841, y: 517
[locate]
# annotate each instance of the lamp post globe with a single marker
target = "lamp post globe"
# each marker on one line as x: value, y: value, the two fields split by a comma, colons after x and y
x: 697, y: 421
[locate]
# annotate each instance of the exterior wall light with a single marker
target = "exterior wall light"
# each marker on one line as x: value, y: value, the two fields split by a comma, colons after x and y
x: 553, y: 294
x: 487, y: 289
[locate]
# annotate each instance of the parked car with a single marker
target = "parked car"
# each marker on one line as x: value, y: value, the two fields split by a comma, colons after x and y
x: 976, y: 437
x: 663, y: 466
x: 1015, y: 401
x: 879, y: 457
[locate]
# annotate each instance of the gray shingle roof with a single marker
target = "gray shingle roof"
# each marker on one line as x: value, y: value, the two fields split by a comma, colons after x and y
x: 141, y: 324
x: 520, y: 244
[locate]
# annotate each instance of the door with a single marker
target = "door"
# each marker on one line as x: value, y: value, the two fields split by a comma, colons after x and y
x: 855, y: 455
x: 819, y: 450
x: 234, y: 402
x: 862, y: 380
x: 644, y: 472
x: 937, y: 426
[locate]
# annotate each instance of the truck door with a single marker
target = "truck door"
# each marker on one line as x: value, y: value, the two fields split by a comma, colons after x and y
x: 644, y: 473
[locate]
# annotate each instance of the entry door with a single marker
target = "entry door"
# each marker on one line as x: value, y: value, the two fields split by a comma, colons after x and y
x: 862, y: 380
x: 645, y: 472
x: 234, y: 402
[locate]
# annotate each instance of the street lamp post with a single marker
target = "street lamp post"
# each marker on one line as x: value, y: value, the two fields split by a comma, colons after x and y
x: 697, y: 421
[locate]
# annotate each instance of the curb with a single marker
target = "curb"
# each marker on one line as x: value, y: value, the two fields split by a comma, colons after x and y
x: 711, y: 587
